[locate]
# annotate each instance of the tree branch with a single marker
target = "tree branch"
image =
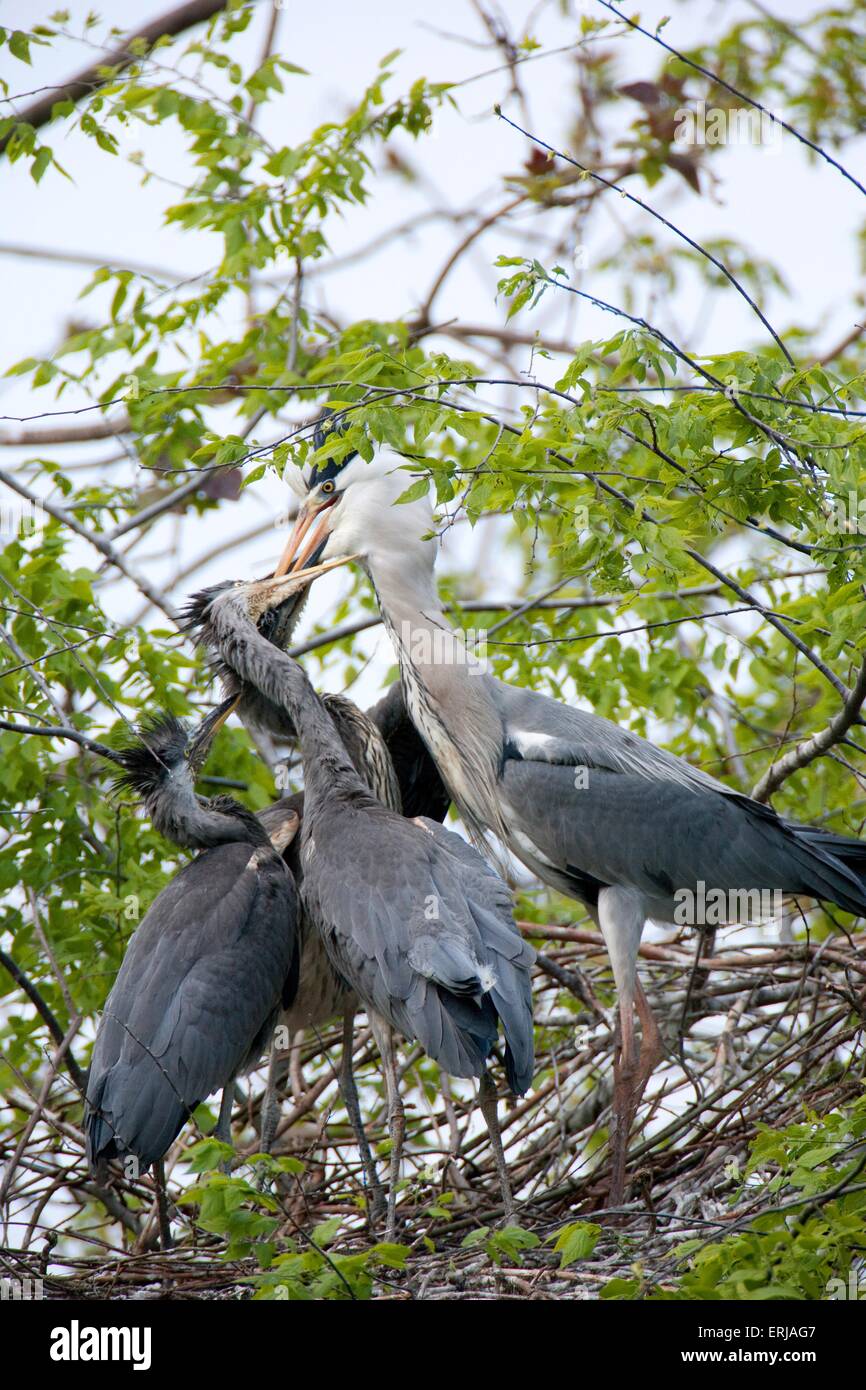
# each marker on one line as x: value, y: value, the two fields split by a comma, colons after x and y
x: 819, y: 743
x: 741, y: 96
x: 66, y: 434
x: 105, y: 548
x: 85, y: 82
x: 47, y: 1015
x: 671, y: 226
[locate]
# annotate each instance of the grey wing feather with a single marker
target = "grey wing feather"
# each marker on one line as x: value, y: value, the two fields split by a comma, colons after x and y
x: 199, y: 987
x: 422, y: 929
x: 621, y: 828
x: 545, y: 730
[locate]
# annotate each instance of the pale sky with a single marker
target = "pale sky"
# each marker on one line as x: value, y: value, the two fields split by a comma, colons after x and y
x: 799, y: 213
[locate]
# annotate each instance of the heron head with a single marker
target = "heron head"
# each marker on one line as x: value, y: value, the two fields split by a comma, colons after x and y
x: 271, y: 605
x: 162, y: 749
x: 351, y: 508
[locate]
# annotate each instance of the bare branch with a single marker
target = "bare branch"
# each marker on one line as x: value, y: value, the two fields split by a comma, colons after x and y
x: 105, y: 548
x: 819, y: 743
x: 741, y: 96
x: 671, y: 226
x: 46, y: 1013
x: 63, y: 731
x: 66, y: 434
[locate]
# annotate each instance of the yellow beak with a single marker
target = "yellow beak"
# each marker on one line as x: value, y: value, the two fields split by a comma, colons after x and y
x: 308, y: 533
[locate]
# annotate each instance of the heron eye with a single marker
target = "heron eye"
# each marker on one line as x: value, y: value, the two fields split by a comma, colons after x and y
x: 329, y: 486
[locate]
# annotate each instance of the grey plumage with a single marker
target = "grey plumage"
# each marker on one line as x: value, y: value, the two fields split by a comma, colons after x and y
x: 593, y: 810
x: 404, y: 780
x: 322, y: 989
x: 205, y: 973
x: 646, y: 819
x: 369, y: 875
x: 384, y: 744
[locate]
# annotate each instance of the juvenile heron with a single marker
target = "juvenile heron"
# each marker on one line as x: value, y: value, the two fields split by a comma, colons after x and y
x: 393, y: 761
x: 206, y: 972
x: 411, y: 916
x: 591, y: 809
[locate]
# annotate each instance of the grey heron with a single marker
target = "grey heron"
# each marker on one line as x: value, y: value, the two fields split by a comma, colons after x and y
x: 388, y: 754
x: 207, y: 970
x: 412, y: 918
x: 591, y: 809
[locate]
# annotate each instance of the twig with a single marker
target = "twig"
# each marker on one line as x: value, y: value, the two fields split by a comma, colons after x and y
x: 821, y: 742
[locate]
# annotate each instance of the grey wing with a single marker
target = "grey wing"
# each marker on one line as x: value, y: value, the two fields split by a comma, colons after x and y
x: 199, y: 986
x: 420, y: 936
x: 544, y: 730
x: 508, y: 954
x: 605, y: 811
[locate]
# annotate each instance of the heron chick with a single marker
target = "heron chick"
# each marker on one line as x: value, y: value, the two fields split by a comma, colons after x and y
x: 412, y: 917
x: 206, y: 972
x: 413, y: 784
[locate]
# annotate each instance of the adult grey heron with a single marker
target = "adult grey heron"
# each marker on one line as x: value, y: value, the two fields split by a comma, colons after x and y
x: 411, y: 916
x: 207, y: 970
x: 591, y: 809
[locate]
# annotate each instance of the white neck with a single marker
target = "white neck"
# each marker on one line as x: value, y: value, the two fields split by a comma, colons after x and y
x: 445, y: 688
x: 422, y: 635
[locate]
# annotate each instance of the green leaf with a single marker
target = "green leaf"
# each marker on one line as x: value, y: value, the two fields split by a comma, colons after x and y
x: 576, y: 1242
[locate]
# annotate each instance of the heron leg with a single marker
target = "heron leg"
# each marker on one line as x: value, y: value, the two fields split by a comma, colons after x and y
x: 651, y: 1045
x: 223, y: 1130
x: 375, y: 1194
x: 270, y: 1112
x: 396, y: 1115
x: 163, y: 1221
x: 621, y: 918
x: 488, y: 1106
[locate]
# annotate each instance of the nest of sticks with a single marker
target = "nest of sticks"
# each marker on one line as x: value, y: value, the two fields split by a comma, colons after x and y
x: 755, y: 1034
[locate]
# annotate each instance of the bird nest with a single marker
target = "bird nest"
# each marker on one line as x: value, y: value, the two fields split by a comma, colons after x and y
x: 757, y: 1035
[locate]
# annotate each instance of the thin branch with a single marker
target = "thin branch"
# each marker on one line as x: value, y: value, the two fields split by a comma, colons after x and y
x: 819, y: 743
x: 87, y: 260
x: 47, y: 1014
x: 67, y: 434
x: 671, y: 226
x: 100, y: 543
x: 117, y: 59
x: 741, y: 96
x: 63, y: 731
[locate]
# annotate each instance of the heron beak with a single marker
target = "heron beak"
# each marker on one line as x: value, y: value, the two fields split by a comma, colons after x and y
x: 282, y: 585
x: 204, y: 735
x: 308, y: 536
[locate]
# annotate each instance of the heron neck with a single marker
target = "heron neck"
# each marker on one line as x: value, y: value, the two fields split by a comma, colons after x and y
x: 282, y: 681
x: 446, y: 691
x: 179, y: 815
x: 423, y: 637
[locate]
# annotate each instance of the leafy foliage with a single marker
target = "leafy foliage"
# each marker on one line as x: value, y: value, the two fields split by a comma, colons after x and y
x: 803, y: 1248
x: 641, y: 476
